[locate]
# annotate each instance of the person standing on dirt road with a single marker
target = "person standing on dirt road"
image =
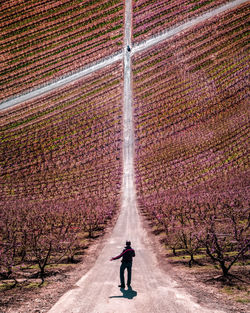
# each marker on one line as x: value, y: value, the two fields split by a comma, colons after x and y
x: 127, y: 259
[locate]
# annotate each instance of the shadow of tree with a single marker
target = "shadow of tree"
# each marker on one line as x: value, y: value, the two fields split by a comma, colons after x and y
x: 128, y: 294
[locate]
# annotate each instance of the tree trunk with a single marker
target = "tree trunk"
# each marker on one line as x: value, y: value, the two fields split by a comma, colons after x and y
x: 224, y: 268
x: 71, y: 259
x: 42, y: 274
x: 191, y: 261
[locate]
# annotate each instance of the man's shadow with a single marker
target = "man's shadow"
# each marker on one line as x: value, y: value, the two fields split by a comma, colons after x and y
x: 128, y: 294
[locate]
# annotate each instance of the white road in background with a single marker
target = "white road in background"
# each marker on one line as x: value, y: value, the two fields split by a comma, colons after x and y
x: 61, y: 82
x: 191, y: 23
x: 153, y: 290
x: 110, y: 60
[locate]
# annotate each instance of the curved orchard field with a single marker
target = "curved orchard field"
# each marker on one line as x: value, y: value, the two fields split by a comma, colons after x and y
x: 190, y: 92
x: 151, y: 17
x: 180, y: 89
x: 44, y: 40
x: 60, y: 169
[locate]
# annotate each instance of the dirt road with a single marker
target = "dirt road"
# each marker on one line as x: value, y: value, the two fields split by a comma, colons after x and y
x: 152, y: 290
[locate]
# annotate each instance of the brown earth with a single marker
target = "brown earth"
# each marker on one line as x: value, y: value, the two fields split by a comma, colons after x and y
x: 24, y: 299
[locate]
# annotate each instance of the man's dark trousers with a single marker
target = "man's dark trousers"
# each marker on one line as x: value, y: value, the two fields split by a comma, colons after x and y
x: 124, y: 266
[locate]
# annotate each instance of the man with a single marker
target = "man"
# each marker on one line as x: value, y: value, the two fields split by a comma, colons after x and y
x: 127, y: 259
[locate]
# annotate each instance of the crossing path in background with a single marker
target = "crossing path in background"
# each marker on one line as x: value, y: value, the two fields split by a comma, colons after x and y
x: 119, y: 56
x: 37, y: 92
x: 179, y: 28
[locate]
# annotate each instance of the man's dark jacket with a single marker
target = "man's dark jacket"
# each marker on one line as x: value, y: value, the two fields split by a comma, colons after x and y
x: 127, y: 255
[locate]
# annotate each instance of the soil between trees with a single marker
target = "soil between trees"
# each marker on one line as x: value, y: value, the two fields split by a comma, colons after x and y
x: 200, y: 281
x: 35, y: 299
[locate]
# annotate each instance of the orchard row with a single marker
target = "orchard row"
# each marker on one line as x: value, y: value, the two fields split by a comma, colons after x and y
x: 205, y: 220
x: 44, y: 40
x: 195, y: 114
x: 152, y: 17
x: 191, y: 110
x: 60, y: 169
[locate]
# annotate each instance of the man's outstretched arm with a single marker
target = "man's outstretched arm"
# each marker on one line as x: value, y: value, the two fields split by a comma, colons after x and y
x: 119, y: 256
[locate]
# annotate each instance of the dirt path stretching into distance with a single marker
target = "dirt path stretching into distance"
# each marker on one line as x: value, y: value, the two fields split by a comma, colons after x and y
x: 153, y: 290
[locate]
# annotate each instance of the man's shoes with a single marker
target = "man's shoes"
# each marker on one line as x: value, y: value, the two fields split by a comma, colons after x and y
x: 121, y: 286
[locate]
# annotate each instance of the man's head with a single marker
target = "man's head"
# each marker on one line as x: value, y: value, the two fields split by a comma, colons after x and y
x: 128, y: 243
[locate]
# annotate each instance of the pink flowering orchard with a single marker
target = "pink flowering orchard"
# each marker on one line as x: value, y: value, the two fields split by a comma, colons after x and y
x: 191, y: 129
x: 41, y: 41
x: 61, y: 170
x: 152, y: 17
x: 62, y: 151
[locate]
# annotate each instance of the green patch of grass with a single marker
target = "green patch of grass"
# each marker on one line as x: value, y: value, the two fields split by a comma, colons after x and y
x: 228, y: 290
x: 35, y: 266
x: 243, y: 288
x: 182, y: 253
x: 199, y: 256
x: 34, y: 285
x: 243, y: 300
x: 59, y: 265
x: 6, y: 286
x: 180, y: 250
x: 242, y: 263
x: 187, y: 257
x: 181, y: 257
